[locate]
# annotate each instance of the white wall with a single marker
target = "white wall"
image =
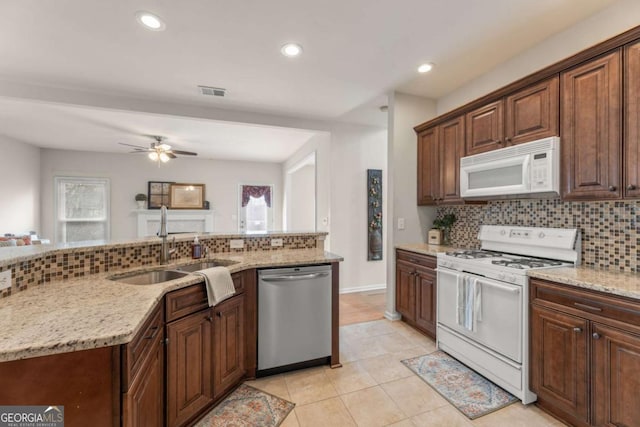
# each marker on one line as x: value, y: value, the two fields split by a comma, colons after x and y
x: 622, y: 15
x: 303, y: 194
x: 130, y: 173
x: 405, y: 112
x: 19, y: 187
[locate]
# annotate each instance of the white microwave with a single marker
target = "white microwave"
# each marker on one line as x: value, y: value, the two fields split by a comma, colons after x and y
x: 521, y: 170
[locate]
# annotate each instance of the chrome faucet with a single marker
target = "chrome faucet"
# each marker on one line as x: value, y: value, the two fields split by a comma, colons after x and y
x: 165, y: 250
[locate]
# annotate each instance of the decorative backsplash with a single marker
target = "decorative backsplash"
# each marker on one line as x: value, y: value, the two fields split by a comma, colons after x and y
x: 610, y: 235
x: 80, y: 262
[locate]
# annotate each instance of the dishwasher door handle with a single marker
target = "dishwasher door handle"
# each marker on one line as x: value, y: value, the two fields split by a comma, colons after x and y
x: 289, y: 278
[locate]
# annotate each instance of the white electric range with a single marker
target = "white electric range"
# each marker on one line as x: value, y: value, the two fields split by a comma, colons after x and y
x: 483, y: 310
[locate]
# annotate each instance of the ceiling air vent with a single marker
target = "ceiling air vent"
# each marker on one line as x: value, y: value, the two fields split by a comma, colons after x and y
x: 212, y: 91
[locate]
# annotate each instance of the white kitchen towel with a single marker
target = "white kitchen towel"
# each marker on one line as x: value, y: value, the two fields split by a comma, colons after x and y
x: 477, y: 306
x: 469, y: 302
x: 218, y: 283
x: 460, y: 291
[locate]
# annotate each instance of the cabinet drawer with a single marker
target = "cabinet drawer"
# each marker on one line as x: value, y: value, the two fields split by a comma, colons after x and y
x: 589, y: 302
x: 194, y: 298
x: 417, y: 259
x: 136, y: 351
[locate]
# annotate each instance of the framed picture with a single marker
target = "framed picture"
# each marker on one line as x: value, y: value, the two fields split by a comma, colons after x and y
x: 158, y: 194
x: 186, y: 196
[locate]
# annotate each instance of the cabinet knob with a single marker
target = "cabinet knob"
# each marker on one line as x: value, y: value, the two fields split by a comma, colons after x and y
x: 508, y: 140
x: 208, y: 318
x: 577, y: 329
x: 612, y: 188
x: 219, y: 314
x: 631, y: 187
x: 596, y: 336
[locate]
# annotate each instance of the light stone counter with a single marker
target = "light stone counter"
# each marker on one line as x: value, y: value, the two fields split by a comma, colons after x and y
x: 92, y: 311
x: 426, y: 249
x: 611, y: 282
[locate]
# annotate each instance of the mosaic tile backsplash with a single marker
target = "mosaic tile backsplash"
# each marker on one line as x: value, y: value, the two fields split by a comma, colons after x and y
x: 610, y: 235
x: 80, y: 262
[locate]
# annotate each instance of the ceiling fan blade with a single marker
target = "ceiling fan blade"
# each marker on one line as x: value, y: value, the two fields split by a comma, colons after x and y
x: 135, y: 146
x: 184, y: 153
x: 171, y: 155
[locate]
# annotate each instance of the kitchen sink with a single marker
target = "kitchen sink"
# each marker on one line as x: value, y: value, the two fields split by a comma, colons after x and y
x: 205, y: 264
x: 149, y: 277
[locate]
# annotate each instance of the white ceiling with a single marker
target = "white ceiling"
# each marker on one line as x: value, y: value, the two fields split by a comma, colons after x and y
x: 354, y: 52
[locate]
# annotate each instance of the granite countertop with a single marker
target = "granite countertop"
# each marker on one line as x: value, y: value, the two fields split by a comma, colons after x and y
x: 92, y: 312
x: 426, y: 249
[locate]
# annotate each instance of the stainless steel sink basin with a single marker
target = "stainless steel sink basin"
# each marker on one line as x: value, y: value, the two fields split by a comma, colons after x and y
x: 205, y: 264
x: 149, y: 277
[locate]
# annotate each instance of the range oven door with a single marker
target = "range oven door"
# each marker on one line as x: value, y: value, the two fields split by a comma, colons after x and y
x: 496, y: 310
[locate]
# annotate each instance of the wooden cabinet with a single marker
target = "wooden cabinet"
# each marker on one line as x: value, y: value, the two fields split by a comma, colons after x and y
x: 439, y: 152
x: 229, y: 345
x: 632, y: 120
x: 416, y: 290
x: 485, y: 128
x: 585, y: 354
x: 591, y: 129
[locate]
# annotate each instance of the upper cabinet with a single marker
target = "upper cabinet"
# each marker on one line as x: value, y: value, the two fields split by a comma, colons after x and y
x: 439, y: 152
x: 485, y: 131
x: 632, y: 120
x: 591, y: 143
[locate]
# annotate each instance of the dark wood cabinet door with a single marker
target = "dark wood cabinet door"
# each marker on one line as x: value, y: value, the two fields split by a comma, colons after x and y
x: 559, y: 361
x: 426, y: 301
x: 532, y: 113
x: 428, y: 167
x: 616, y: 378
x: 189, y: 366
x: 406, y: 290
x: 143, y: 403
x: 632, y: 120
x: 229, y: 345
x: 451, y: 148
x: 484, y: 128
x: 591, y: 143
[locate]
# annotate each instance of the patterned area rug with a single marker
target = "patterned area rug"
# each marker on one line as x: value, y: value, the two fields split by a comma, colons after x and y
x: 248, y: 407
x: 470, y: 392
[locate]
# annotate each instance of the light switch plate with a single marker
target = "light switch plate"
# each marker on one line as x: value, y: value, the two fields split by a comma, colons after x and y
x: 236, y: 243
x: 5, y: 279
x: 276, y: 242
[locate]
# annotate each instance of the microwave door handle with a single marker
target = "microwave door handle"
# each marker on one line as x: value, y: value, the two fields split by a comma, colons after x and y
x: 527, y: 172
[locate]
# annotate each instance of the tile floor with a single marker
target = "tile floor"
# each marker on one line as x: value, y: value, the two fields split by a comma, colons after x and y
x: 374, y: 389
x: 362, y: 307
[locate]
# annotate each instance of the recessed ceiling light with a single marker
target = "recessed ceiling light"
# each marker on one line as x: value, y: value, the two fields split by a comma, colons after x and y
x: 150, y: 21
x: 291, y: 50
x: 425, y: 68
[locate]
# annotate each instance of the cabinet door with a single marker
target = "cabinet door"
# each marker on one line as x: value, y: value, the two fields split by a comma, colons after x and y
x: 485, y: 128
x: 451, y: 148
x: 591, y: 131
x: 228, y: 345
x: 406, y: 290
x: 532, y: 113
x: 428, y: 167
x: 632, y: 120
x: 426, y: 301
x: 559, y: 373
x: 189, y: 366
x: 616, y: 378
x: 143, y: 403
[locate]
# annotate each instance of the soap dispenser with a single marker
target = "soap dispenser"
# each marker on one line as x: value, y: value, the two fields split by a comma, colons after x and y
x: 196, y: 249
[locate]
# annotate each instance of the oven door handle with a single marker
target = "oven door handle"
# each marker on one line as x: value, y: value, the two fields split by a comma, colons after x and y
x: 514, y: 290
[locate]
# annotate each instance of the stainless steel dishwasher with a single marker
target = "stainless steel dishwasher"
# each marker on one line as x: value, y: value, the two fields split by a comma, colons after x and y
x: 294, y: 318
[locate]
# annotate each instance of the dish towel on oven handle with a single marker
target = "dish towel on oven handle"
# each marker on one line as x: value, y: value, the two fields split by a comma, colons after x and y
x: 219, y: 284
x: 477, y: 304
x: 461, y: 283
x: 469, y: 302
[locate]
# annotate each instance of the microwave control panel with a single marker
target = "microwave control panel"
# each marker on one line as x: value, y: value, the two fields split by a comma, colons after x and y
x: 540, y: 171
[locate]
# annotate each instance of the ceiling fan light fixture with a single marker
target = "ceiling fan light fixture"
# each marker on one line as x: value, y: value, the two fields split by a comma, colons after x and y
x: 164, y: 158
x: 153, y: 156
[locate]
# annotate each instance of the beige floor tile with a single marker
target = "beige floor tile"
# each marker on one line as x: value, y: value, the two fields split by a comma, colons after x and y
x: 395, y: 342
x: 291, y: 420
x: 309, y: 386
x: 411, y: 353
x: 413, y: 395
x: 372, y: 407
x: 351, y: 377
x: 329, y: 412
x: 517, y: 415
x: 366, y: 329
x: 446, y: 416
x: 403, y: 423
x: 364, y: 348
x: 275, y: 385
x: 385, y: 368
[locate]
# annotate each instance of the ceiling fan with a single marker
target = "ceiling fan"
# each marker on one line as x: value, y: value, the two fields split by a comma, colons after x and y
x: 158, y: 151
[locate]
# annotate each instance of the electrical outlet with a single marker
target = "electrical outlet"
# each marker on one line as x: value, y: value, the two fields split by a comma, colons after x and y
x: 276, y: 242
x: 5, y: 279
x: 400, y: 223
x: 236, y: 243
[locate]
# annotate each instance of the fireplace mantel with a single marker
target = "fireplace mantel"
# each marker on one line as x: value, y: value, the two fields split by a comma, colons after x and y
x: 178, y: 221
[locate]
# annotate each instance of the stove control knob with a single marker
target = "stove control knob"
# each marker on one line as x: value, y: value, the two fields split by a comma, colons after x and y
x: 512, y: 279
x: 501, y: 276
x: 541, y: 235
x: 503, y: 232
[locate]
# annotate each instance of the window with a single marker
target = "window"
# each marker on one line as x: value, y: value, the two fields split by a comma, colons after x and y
x: 82, y: 209
x: 255, y: 208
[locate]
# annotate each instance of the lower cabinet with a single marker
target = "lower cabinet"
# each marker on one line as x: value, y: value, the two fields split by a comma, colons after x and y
x: 416, y: 290
x: 585, y: 355
x: 229, y: 347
